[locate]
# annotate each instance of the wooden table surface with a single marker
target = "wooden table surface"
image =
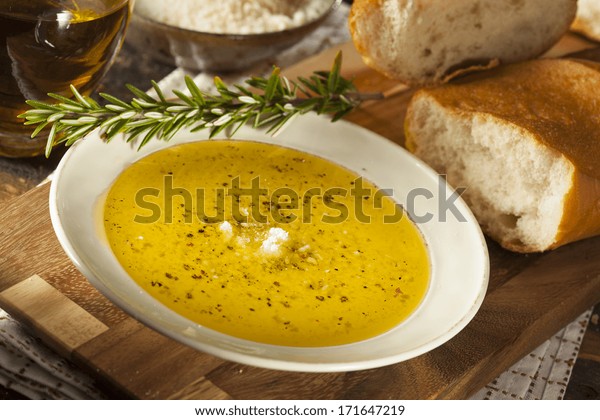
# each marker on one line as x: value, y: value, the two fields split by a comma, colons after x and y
x: 19, y: 175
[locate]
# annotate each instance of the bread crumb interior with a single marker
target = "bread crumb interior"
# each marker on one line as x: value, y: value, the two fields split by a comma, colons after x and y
x: 515, y: 185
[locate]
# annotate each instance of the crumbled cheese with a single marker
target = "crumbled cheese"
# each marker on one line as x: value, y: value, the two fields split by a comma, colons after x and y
x: 227, y: 229
x: 275, y: 238
x: 270, y: 241
x: 304, y: 248
x: 242, y: 241
x: 234, y: 16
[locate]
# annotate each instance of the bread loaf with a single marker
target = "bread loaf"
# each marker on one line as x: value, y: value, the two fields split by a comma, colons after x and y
x: 524, y: 139
x: 422, y: 42
x: 587, y: 21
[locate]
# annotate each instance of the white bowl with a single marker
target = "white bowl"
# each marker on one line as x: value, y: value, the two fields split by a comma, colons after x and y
x: 457, y: 250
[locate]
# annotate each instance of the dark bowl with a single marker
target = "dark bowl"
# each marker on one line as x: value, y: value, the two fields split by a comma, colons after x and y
x: 198, y: 51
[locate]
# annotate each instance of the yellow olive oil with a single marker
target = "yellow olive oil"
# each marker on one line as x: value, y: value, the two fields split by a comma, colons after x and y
x: 266, y: 243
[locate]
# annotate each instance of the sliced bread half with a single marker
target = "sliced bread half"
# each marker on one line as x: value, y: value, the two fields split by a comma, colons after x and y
x: 524, y: 140
x: 423, y: 42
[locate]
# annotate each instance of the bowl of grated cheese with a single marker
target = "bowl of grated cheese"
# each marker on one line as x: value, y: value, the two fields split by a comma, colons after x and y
x: 223, y: 35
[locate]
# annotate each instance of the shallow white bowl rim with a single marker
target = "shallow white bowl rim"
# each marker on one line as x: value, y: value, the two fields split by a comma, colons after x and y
x: 458, y: 252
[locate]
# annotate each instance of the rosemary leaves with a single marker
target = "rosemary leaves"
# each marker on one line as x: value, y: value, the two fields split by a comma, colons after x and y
x: 269, y: 103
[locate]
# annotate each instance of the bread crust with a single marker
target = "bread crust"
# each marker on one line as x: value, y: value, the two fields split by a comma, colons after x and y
x: 426, y: 42
x: 581, y: 214
x: 543, y: 96
x: 554, y: 101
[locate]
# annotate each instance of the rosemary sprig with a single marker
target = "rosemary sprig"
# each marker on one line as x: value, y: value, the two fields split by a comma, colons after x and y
x: 264, y: 102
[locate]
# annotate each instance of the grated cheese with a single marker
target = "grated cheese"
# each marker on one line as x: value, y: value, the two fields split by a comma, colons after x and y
x: 233, y: 16
x: 275, y: 238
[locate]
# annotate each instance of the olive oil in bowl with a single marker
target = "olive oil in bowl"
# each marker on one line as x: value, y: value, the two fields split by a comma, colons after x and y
x: 266, y: 243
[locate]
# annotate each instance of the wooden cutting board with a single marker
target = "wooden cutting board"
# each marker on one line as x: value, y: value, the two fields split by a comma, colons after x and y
x: 530, y: 298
